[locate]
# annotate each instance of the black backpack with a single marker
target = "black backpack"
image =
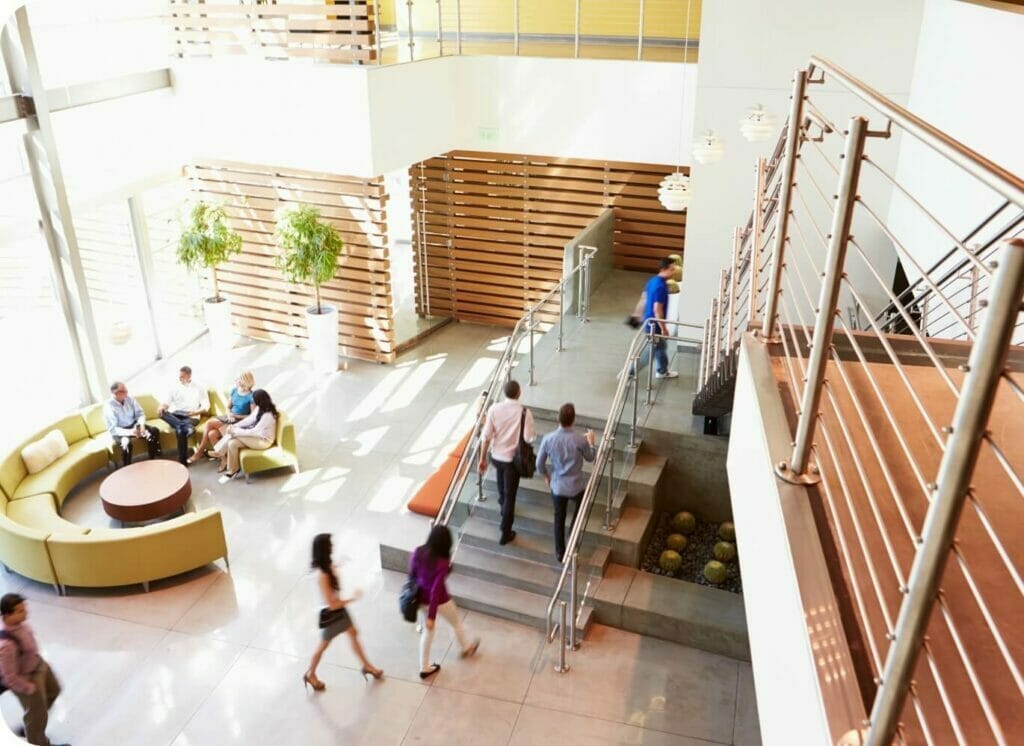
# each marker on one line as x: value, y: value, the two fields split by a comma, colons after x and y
x: 5, y: 635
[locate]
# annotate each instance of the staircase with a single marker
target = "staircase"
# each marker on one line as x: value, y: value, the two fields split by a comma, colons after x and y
x: 515, y: 581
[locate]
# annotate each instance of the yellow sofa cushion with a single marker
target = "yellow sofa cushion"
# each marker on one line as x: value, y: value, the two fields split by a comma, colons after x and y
x: 23, y: 549
x: 109, y: 557
x: 39, y: 454
x: 279, y: 455
x: 60, y: 477
x: 12, y: 468
x: 40, y: 512
x: 93, y: 416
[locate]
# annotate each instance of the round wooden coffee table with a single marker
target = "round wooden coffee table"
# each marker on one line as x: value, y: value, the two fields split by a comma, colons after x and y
x: 145, y: 491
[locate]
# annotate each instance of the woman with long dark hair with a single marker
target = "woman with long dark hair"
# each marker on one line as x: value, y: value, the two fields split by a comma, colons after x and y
x: 258, y: 431
x: 430, y: 565
x: 334, y: 617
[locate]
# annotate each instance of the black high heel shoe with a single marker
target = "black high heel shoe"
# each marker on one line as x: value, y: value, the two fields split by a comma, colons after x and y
x: 433, y: 669
x: 377, y: 675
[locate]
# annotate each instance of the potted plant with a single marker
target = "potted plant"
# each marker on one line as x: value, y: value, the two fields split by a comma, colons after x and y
x: 309, y: 251
x: 204, y: 243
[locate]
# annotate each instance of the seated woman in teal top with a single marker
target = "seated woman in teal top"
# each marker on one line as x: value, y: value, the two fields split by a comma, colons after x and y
x: 241, y: 406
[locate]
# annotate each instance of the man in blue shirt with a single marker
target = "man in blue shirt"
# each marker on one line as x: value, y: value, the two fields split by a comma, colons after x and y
x: 126, y: 421
x: 655, y: 307
x: 567, y: 450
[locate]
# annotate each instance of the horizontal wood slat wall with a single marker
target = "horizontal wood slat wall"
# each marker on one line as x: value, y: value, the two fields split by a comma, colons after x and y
x: 490, y: 228
x: 340, y: 32
x: 265, y: 305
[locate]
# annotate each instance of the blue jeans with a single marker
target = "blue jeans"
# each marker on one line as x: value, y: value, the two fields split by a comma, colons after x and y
x: 660, y: 357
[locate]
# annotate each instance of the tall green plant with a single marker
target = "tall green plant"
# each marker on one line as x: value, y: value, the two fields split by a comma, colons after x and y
x: 309, y: 248
x: 207, y: 241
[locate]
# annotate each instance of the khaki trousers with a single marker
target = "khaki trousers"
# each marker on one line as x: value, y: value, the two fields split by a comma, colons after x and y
x: 37, y: 705
x: 236, y: 444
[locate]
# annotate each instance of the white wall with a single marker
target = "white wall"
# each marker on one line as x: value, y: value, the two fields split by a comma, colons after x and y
x: 967, y: 82
x: 315, y: 117
x: 749, y: 51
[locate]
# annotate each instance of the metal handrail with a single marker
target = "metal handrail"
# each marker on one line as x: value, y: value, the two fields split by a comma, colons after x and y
x: 502, y: 371
x: 605, y: 449
x: 977, y: 300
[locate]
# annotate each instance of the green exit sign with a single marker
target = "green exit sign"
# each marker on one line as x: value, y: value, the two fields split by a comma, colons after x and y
x: 488, y: 134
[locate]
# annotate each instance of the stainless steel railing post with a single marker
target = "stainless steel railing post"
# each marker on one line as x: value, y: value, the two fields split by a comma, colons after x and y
x: 412, y: 43
x: 515, y: 27
x: 573, y: 600
x: 586, y: 279
x: 977, y: 396
x: 561, y: 312
x: 576, y: 33
x: 440, y: 33
x: 650, y: 368
x: 640, y: 33
x: 636, y: 402
x: 796, y: 113
x: 755, y: 242
x: 529, y: 324
x: 828, y: 300
x: 458, y: 26
x: 611, y: 486
x: 734, y: 288
x: 561, y: 666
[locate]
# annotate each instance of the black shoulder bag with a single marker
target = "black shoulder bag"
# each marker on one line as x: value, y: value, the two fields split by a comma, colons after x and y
x: 525, y: 460
x: 409, y: 597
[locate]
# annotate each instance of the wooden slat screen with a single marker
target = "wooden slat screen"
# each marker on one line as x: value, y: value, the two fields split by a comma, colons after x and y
x: 491, y: 227
x: 340, y: 32
x: 266, y: 306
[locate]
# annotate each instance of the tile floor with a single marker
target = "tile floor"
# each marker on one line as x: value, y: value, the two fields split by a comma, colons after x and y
x: 216, y: 657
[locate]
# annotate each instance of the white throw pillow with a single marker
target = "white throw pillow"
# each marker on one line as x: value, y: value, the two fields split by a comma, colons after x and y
x: 37, y: 456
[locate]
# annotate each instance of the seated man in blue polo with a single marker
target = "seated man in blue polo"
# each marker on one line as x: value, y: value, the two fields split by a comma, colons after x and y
x: 185, y: 404
x: 655, y: 307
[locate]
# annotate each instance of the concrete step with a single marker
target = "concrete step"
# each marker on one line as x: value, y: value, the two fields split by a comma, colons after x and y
x: 513, y: 604
x: 534, y: 511
x: 510, y: 571
x: 534, y: 547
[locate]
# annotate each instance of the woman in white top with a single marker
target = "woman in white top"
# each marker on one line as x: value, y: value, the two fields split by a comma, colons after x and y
x: 257, y: 431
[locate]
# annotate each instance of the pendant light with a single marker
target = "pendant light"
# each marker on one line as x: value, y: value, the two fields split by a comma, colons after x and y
x: 758, y: 125
x: 708, y: 148
x: 674, y: 192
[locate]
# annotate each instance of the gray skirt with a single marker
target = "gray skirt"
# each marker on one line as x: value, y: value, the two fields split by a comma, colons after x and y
x: 335, y: 628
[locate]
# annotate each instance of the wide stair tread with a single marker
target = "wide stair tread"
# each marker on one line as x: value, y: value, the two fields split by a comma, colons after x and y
x: 534, y: 547
x: 514, y: 604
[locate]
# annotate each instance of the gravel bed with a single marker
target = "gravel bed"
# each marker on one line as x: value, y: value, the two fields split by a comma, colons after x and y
x: 698, y: 552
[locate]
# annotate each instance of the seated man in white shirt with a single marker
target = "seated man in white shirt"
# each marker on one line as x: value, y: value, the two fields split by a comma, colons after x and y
x: 186, y: 403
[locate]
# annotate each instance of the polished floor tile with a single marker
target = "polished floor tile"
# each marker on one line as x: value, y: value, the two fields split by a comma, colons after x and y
x: 448, y: 718
x: 537, y: 726
x: 503, y: 666
x: 641, y: 681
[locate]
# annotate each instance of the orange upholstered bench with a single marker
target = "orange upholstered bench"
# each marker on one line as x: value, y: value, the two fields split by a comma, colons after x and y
x: 427, y: 500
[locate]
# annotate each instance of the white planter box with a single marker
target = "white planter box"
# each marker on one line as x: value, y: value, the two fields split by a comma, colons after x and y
x: 323, y: 338
x: 218, y: 321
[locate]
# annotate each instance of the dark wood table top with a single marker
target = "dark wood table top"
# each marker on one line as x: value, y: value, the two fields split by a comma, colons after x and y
x: 145, y: 490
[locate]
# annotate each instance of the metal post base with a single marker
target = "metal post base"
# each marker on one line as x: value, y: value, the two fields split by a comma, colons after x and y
x: 783, y: 472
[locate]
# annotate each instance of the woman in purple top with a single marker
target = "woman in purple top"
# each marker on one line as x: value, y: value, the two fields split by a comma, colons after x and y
x: 430, y: 565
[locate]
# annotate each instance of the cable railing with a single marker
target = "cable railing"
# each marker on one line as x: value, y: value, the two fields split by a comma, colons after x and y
x: 571, y: 294
x: 607, y: 479
x: 906, y: 405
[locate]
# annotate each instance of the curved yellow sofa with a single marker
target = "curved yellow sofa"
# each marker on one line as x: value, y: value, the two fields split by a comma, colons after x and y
x: 37, y: 543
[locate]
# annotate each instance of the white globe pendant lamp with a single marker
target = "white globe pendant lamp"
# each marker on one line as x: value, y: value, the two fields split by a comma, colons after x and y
x: 708, y: 148
x: 674, y: 192
x: 758, y: 125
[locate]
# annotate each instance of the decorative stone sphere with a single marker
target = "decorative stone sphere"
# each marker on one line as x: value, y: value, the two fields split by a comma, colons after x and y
x: 670, y: 561
x: 676, y: 542
x: 714, y: 572
x: 725, y: 551
x: 727, y: 532
x: 683, y: 522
